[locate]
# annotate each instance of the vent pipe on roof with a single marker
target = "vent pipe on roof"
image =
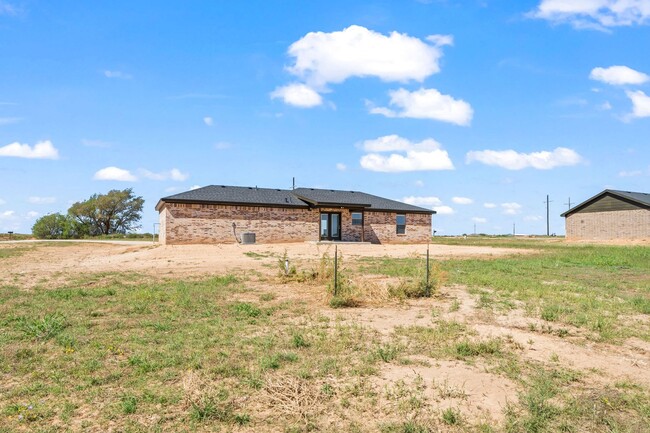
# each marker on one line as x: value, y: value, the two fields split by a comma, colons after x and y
x: 293, y: 185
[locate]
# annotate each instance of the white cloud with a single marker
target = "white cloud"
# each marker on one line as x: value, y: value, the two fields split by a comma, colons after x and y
x: 193, y: 187
x: 41, y: 200
x: 532, y: 218
x: 418, y: 183
x: 640, y: 104
x: 298, y: 95
x: 625, y: 173
x: 513, y: 160
x: 422, y: 201
x: 2, y: 202
x: 424, y: 155
x: 9, y: 120
x: 115, y: 173
x: 41, y: 150
x: 208, y: 120
x: 489, y: 205
x: 511, y: 208
x: 8, y: 214
x: 426, y: 104
x: 386, y: 143
x: 479, y: 220
x: 95, y: 143
x: 173, y: 189
x: 462, y: 200
x: 173, y: 174
x: 443, y: 210
x: 8, y: 9
x: 341, y: 167
x: 594, y: 14
x: 321, y: 58
x: 605, y: 106
x: 176, y: 174
x: 618, y: 75
x: 32, y: 214
x: 222, y: 145
x: 118, y: 74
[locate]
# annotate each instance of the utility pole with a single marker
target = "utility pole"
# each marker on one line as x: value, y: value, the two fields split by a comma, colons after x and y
x: 474, y: 229
x: 569, y: 203
x: 513, y: 229
x: 548, y: 227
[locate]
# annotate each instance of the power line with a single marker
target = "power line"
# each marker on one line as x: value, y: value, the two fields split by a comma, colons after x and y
x: 569, y: 203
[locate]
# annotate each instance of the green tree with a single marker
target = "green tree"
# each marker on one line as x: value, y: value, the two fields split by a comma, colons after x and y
x: 104, y: 214
x: 51, y: 226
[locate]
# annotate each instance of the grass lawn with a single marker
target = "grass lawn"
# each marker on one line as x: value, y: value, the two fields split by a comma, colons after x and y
x: 128, y: 352
x: 597, y: 288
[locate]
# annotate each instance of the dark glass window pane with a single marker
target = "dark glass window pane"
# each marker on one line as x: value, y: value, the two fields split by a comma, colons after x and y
x: 401, y: 224
x: 357, y: 218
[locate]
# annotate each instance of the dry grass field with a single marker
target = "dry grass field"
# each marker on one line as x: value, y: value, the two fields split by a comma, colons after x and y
x: 517, y: 336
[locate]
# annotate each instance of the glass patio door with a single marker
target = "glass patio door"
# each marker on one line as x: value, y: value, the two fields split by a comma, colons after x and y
x: 330, y: 226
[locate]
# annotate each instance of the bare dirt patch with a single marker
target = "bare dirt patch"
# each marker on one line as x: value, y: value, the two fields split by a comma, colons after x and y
x: 47, y: 261
x: 479, y: 395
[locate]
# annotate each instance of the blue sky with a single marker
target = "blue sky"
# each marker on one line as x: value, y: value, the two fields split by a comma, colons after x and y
x: 478, y: 109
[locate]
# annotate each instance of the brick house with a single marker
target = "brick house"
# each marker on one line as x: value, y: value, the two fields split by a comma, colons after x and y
x: 610, y: 215
x: 219, y: 214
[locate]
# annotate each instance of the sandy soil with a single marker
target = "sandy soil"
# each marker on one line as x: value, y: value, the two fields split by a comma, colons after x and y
x: 56, y: 261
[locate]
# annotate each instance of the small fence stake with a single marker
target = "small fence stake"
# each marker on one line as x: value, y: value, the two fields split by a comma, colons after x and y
x: 286, y: 266
x: 336, y: 269
x: 428, y: 286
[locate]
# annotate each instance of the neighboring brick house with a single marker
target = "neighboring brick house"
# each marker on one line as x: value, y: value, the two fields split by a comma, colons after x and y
x: 219, y: 214
x: 610, y: 215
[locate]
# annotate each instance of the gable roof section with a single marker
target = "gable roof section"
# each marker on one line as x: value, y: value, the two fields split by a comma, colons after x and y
x: 331, y: 197
x: 639, y: 198
x: 298, y: 198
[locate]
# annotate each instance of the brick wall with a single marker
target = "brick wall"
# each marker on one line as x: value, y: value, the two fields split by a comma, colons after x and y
x: 627, y: 224
x: 182, y: 223
x: 381, y: 227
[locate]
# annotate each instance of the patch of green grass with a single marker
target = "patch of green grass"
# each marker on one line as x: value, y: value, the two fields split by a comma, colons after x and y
x: 587, y: 286
x: 244, y: 309
x: 451, y: 416
x: 129, y: 404
x: 42, y: 328
x: 405, y: 427
x: 388, y: 352
x: 7, y: 252
x: 469, y: 348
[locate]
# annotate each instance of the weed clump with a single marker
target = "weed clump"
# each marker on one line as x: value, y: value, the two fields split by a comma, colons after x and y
x: 43, y: 329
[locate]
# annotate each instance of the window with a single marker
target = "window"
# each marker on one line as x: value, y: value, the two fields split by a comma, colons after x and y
x: 401, y: 224
x: 357, y: 218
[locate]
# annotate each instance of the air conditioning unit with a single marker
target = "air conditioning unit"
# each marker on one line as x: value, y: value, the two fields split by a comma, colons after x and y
x: 247, y: 238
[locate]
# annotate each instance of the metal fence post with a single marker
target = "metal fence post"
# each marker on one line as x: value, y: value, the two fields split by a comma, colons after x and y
x: 336, y: 269
x: 428, y: 286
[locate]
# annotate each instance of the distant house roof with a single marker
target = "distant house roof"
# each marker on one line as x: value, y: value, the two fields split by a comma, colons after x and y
x: 298, y: 198
x: 639, y: 198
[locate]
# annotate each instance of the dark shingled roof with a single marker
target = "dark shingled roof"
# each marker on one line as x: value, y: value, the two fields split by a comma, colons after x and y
x: 331, y: 197
x: 636, y: 197
x: 298, y: 198
x: 238, y: 195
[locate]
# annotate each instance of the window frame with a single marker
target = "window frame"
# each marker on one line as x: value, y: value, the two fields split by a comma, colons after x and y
x: 357, y: 221
x: 400, y: 229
